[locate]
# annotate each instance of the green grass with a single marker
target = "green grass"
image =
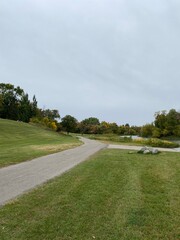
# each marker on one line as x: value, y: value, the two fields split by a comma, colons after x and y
x: 112, y: 196
x: 21, y: 141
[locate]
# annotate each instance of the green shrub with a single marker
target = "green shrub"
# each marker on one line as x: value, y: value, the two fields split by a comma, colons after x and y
x: 111, y: 137
x: 44, y: 122
x: 154, y: 142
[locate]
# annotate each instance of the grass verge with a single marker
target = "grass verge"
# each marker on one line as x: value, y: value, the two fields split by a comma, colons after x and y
x: 112, y: 196
x: 21, y: 141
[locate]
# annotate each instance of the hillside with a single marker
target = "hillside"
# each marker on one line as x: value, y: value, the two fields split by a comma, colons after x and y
x: 21, y: 141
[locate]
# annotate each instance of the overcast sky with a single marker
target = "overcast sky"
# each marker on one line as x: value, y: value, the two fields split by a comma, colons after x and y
x: 117, y: 60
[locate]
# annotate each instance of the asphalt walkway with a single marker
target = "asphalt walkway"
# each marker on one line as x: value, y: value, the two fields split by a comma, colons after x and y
x: 19, y: 178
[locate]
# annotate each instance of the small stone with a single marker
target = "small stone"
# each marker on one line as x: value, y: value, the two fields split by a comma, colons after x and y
x: 146, y: 151
x: 130, y: 152
x: 143, y: 149
x: 155, y: 151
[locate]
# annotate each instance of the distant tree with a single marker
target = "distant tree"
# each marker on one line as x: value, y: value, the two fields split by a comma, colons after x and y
x: 1, y: 103
x: 59, y: 127
x: 91, y: 121
x: 69, y: 123
x: 34, y: 107
x: 51, y: 114
x: 10, y: 101
x: 176, y: 131
x: 136, y: 130
x: 121, y: 129
x: 15, y: 103
x: 126, y: 130
x: 25, y: 109
x: 160, y: 119
x: 89, y: 125
x: 114, y: 128
x: 167, y: 122
x: 106, y: 127
x: 172, y: 121
x: 129, y: 130
x: 147, y: 130
x: 156, y: 133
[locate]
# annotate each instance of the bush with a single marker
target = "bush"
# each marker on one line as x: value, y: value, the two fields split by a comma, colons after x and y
x: 44, y: 122
x: 53, y: 126
x: 34, y: 120
x: 111, y: 137
x: 154, y: 142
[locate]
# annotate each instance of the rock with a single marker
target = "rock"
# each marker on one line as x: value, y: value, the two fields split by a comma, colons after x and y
x: 142, y: 150
x: 148, y: 150
x: 155, y: 151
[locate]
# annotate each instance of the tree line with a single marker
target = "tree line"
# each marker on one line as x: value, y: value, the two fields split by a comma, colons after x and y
x: 92, y: 125
x: 166, y: 124
x: 16, y: 105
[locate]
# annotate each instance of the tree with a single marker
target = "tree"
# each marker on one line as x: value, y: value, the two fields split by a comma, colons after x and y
x: 177, y: 131
x: 51, y: 114
x: 172, y: 121
x: 147, y: 130
x: 106, y: 127
x: 114, y: 128
x: 34, y: 107
x: 25, y: 109
x: 89, y: 125
x: 10, y: 101
x: 160, y: 119
x: 15, y: 103
x: 167, y: 122
x: 91, y: 121
x: 69, y: 123
x: 1, y: 103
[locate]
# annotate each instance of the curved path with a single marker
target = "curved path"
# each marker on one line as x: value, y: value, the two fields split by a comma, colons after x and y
x: 19, y: 178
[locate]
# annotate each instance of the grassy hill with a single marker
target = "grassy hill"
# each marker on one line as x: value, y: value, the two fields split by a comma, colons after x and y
x: 21, y: 141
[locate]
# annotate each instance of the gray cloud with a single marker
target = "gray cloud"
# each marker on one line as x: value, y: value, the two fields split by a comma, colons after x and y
x: 117, y: 60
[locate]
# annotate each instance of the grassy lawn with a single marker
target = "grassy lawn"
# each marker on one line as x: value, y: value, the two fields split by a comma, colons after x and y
x: 21, y: 141
x: 114, y: 195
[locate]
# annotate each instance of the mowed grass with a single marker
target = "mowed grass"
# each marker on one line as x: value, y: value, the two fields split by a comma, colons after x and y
x: 114, y: 195
x: 21, y: 141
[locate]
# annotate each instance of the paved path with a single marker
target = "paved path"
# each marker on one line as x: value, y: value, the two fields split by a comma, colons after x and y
x: 139, y: 147
x: 19, y: 178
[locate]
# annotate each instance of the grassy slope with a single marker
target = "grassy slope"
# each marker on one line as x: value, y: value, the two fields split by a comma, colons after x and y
x: 20, y: 141
x: 113, y: 196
